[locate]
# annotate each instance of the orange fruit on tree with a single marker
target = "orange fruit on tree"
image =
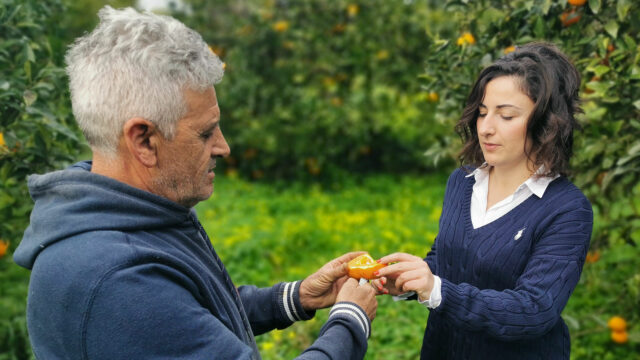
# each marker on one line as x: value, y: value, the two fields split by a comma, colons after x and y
x: 619, y: 337
x: 570, y: 17
x: 592, y: 256
x: 577, y: 2
x: 363, y: 267
x: 616, y: 323
x: 4, y: 245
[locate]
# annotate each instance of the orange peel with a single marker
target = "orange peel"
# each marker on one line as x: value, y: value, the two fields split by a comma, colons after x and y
x: 364, y: 267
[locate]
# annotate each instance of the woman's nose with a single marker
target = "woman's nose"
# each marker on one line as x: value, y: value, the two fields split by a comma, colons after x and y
x: 486, y: 125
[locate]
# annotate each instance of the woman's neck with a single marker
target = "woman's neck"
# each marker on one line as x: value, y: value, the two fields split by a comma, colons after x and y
x: 503, y: 181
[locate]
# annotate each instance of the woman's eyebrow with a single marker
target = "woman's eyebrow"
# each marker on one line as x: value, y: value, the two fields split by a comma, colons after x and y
x: 507, y: 105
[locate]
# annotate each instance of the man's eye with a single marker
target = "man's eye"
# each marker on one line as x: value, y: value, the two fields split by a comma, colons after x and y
x: 206, y: 135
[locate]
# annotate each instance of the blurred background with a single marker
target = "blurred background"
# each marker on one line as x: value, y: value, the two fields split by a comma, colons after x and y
x: 340, y: 118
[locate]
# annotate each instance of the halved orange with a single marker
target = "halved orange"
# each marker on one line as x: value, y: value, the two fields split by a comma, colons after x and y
x: 363, y: 267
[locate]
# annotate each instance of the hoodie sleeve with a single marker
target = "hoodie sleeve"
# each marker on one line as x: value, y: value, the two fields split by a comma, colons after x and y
x: 276, y: 307
x: 146, y: 312
x: 343, y: 336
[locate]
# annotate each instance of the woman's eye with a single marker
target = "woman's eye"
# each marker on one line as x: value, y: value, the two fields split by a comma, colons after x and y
x: 482, y: 115
x: 507, y: 117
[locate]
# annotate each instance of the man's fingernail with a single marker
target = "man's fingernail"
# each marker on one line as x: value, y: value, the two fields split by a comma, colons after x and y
x: 386, y: 291
x: 376, y: 273
x: 380, y: 288
x: 384, y: 281
x: 378, y: 260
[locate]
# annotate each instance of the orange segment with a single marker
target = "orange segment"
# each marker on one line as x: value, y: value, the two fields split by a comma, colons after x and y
x: 363, y: 267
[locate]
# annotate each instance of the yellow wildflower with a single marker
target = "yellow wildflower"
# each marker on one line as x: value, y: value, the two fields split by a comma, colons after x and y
x: 382, y: 54
x: 469, y: 38
x: 281, y: 26
x: 267, y: 345
x: 2, y: 143
x: 466, y: 38
x: 353, y: 10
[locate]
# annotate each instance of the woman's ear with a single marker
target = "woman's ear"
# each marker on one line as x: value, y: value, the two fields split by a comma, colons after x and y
x: 141, y: 140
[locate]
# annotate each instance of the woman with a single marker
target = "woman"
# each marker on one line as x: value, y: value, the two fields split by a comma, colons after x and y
x: 514, y: 232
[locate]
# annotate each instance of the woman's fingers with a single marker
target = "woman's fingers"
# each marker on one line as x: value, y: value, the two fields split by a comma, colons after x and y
x: 378, y: 286
x: 398, y: 257
x: 404, y: 278
x: 394, y: 270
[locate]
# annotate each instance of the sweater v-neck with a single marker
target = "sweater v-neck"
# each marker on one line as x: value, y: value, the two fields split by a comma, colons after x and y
x: 468, y: 192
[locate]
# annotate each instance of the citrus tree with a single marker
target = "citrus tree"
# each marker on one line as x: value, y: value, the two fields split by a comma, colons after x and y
x: 37, y: 134
x: 601, y: 36
x: 312, y: 86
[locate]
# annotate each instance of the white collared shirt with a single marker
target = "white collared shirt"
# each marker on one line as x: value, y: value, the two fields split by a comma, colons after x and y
x: 480, y: 216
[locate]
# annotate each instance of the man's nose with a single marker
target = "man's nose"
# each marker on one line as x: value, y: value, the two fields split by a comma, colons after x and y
x: 221, y: 147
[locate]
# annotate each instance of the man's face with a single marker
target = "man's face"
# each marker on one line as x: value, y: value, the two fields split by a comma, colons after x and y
x: 185, y: 164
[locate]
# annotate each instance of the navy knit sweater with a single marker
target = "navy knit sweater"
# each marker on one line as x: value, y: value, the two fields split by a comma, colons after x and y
x: 505, y: 284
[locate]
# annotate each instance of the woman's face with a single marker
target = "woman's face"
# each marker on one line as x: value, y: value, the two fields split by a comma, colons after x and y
x: 502, y: 123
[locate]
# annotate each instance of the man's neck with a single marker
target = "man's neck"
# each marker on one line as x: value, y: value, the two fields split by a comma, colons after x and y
x: 120, y: 169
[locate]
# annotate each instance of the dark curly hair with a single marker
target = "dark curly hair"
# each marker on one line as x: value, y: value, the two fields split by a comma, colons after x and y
x: 551, y: 81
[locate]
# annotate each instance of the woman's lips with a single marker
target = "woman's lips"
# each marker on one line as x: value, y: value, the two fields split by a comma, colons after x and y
x: 490, y: 146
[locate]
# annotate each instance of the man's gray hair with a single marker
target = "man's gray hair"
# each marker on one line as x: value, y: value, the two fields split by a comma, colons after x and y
x: 135, y: 65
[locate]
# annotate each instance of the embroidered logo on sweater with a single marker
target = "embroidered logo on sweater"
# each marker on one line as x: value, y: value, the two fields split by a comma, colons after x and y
x: 519, y: 234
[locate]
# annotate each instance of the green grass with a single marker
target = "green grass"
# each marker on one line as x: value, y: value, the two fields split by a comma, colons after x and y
x: 266, y: 234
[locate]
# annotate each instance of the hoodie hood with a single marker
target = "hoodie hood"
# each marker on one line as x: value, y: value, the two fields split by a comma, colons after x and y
x: 75, y: 200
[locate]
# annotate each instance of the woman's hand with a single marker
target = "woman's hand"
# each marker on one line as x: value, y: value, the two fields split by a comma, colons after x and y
x: 405, y: 273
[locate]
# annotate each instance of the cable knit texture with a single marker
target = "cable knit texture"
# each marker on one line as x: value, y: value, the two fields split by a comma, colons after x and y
x: 505, y: 284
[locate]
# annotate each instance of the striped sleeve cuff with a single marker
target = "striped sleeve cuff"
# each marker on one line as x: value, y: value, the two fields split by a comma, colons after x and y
x: 289, y: 301
x: 353, y: 312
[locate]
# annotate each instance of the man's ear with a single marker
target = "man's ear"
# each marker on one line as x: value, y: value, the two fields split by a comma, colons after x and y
x: 141, y: 139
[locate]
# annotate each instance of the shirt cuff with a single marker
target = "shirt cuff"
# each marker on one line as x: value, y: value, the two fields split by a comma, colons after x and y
x: 290, y: 302
x: 354, y: 312
x: 436, y: 294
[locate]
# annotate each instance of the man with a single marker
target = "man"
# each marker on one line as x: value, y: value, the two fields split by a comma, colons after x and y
x: 121, y: 267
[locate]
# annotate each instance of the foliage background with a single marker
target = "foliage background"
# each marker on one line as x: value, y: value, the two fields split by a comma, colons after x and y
x: 320, y: 98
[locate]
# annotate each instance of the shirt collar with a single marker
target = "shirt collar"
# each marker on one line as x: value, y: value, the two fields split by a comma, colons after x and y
x: 537, y: 184
x: 478, y: 170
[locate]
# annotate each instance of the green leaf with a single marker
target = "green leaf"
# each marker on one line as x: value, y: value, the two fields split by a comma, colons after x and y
x: 622, y: 8
x: 612, y: 28
x: 637, y: 104
x: 629, y: 41
x: 29, y: 97
x: 594, y: 5
x: 29, y: 53
x: 27, y: 69
x: 600, y: 70
x: 546, y: 6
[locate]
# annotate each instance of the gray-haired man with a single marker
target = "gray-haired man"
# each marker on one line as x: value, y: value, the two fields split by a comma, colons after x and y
x: 121, y: 267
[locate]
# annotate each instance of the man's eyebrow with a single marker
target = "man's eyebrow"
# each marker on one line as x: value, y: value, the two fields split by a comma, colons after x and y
x: 210, y: 127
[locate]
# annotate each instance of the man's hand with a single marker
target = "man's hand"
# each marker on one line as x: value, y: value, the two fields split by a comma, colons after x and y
x: 363, y: 295
x: 321, y: 288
